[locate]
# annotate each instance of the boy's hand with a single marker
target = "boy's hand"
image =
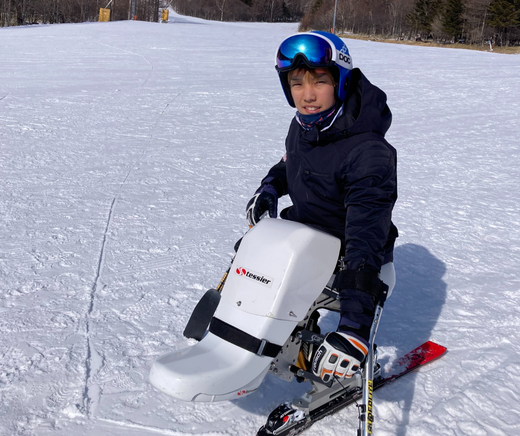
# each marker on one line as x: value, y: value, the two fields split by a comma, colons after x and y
x: 265, y: 200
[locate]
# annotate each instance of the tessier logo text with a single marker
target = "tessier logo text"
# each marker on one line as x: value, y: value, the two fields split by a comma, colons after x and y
x: 258, y: 277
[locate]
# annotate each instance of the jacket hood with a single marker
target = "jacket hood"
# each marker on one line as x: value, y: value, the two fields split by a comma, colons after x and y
x: 365, y: 108
x: 365, y: 111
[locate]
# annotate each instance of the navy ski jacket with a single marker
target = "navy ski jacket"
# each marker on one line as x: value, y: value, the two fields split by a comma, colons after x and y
x: 342, y: 180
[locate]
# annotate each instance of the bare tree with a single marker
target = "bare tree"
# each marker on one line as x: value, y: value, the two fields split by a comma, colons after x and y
x: 221, y: 4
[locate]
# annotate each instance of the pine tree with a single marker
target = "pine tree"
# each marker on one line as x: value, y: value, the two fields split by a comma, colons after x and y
x: 452, y: 20
x: 504, y: 15
x: 423, y: 14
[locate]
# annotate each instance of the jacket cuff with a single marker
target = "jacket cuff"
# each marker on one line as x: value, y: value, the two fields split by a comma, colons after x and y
x: 275, y: 183
x: 366, y: 280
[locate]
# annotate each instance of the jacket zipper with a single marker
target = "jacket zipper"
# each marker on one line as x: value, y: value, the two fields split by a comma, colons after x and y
x: 312, y: 173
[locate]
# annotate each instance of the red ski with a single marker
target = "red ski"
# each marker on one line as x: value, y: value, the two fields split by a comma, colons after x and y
x: 422, y: 355
x: 427, y: 352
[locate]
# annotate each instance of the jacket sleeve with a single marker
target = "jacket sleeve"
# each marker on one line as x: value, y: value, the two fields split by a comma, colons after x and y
x: 371, y: 192
x: 277, y: 177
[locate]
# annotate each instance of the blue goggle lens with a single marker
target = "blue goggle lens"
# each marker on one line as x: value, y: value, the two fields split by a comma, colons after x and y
x: 317, y: 51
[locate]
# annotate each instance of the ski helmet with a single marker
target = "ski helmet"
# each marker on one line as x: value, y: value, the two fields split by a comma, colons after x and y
x: 314, y: 49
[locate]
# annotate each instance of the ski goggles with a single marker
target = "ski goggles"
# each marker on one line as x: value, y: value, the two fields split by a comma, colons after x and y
x: 313, y: 49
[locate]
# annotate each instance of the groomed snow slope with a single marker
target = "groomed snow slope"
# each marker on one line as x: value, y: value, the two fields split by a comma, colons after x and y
x: 128, y: 151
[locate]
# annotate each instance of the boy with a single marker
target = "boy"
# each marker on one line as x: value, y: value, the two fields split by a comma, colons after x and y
x: 340, y: 174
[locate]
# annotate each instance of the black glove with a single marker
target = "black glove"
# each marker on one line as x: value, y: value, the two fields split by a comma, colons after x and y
x: 265, y: 200
x: 342, y: 352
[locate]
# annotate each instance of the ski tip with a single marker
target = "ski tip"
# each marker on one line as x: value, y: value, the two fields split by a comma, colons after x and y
x: 433, y: 347
x: 422, y: 354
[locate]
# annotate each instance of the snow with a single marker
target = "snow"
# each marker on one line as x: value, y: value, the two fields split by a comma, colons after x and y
x: 128, y: 151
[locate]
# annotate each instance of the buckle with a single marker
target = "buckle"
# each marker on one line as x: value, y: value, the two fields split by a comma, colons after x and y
x: 263, y: 343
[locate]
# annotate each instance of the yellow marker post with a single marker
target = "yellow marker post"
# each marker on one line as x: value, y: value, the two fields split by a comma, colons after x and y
x: 104, y: 15
x: 164, y: 16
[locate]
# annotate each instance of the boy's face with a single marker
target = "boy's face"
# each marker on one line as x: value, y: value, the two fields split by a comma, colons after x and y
x: 312, y: 90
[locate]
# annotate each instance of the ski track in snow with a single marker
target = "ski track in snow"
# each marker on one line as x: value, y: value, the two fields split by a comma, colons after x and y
x: 128, y: 151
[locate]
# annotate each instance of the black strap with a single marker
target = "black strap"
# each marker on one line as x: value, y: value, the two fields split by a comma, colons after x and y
x: 365, y: 281
x: 242, y: 339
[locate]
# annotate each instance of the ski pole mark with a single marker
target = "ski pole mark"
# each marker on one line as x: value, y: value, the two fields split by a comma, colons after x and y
x: 150, y: 71
x: 94, y: 361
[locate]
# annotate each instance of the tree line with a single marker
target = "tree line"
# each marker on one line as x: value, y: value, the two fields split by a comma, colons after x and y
x: 467, y: 21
